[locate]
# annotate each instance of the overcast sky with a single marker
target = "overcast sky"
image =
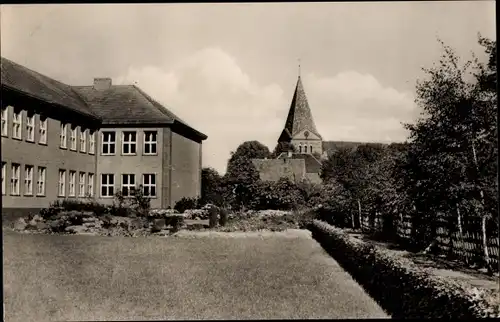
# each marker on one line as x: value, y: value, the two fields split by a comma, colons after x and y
x: 229, y: 70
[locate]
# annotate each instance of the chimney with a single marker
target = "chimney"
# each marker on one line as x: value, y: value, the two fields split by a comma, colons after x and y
x: 102, y: 83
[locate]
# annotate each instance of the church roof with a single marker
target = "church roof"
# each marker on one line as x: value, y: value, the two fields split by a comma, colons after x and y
x: 299, y: 116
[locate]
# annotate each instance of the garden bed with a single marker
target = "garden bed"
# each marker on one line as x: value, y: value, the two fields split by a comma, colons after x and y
x: 403, y: 286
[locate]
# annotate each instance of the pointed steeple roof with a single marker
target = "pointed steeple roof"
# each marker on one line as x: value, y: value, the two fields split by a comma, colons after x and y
x: 300, y: 116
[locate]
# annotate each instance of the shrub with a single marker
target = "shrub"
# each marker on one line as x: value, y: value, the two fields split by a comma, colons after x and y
x: 186, y: 203
x: 140, y: 203
x: 175, y: 220
x: 402, y: 289
x: 74, y: 205
x: 223, y: 217
x: 212, y: 220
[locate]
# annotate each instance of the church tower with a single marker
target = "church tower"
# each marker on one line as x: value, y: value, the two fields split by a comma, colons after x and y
x: 300, y: 129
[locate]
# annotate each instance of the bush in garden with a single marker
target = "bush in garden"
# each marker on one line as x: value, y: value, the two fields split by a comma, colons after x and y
x: 186, y: 203
x: 212, y: 220
x: 402, y: 288
x: 140, y: 203
x: 223, y: 216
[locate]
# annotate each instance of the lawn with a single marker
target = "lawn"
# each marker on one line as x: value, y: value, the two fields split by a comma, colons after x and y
x: 219, y: 276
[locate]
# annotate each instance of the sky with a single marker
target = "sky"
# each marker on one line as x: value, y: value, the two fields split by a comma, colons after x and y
x: 229, y: 70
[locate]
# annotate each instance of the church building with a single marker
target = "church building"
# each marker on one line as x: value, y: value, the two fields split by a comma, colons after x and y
x: 303, y: 162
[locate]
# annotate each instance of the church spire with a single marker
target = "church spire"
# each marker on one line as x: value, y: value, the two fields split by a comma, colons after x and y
x: 299, y: 116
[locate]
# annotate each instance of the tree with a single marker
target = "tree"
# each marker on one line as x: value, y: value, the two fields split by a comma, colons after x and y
x: 241, y: 176
x: 453, y: 150
x: 211, y: 187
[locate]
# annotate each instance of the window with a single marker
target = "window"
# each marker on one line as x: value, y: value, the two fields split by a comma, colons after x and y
x: 5, y: 120
x: 72, y: 138
x: 310, y: 149
x: 128, y: 142
x: 4, y: 173
x: 90, y: 185
x: 72, y: 184
x: 107, y: 185
x: 300, y: 148
x: 149, y: 184
x: 28, y: 180
x: 40, y: 182
x: 62, y: 183
x: 108, y: 142
x: 128, y: 185
x: 14, y: 181
x: 150, y: 142
x: 92, y: 142
x: 81, y: 185
x: 64, y: 135
x: 30, y: 128
x: 83, y: 140
x: 43, y: 130
x: 17, y: 123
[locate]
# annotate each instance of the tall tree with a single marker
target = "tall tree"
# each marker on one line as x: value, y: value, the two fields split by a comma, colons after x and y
x: 452, y: 155
x: 241, y: 178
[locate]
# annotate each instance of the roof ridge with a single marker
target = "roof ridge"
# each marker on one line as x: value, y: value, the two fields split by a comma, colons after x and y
x: 152, y: 101
x: 38, y: 73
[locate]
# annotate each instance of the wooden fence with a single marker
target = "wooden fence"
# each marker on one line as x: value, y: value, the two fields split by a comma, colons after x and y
x: 466, y: 246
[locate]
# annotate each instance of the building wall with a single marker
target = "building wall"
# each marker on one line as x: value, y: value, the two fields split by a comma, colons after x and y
x: 315, y: 144
x: 137, y: 164
x: 185, y: 168
x: 50, y: 156
x: 274, y: 169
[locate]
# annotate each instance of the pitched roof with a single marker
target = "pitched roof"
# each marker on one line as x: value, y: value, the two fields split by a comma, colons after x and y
x: 121, y: 104
x: 128, y: 104
x: 312, y: 164
x: 36, y: 85
x: 300, y: 116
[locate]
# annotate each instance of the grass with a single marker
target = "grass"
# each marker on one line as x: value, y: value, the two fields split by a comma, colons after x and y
x: 49, y: 277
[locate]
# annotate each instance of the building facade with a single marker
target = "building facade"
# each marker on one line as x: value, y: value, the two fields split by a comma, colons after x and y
x: 61, y: 141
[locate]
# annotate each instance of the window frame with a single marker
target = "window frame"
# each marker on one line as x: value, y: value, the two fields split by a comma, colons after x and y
x: 90, y: 184
x: 17, y: 125
x: 149, y: 185
x: 4, y: 178
x: 72, y: 192
x: 129, y: 143
x: 28, y: 180
x: 81, y: 184
x: 30, y: 127
x: 61, y: 183
x: 128, y: 185
x: 150, y: 143
x: 91, y: 142
x: 107, y: 185
x: 108, y: 144
x: 83, y: 140
x: 40, y: 182
x: 42, y: 129
x: 73, y: 138
x: 15, y: 181
x: 5, y: 121
x: 63, y: 136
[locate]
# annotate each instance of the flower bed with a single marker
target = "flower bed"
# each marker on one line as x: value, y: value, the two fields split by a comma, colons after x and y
x: 399, y: 285
x: 59, y: 221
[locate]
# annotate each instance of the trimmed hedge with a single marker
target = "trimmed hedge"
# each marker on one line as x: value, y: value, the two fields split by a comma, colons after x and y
x: 398, y: 285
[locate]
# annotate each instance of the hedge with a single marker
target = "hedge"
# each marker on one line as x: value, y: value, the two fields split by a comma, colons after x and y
x: 403, y: 289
